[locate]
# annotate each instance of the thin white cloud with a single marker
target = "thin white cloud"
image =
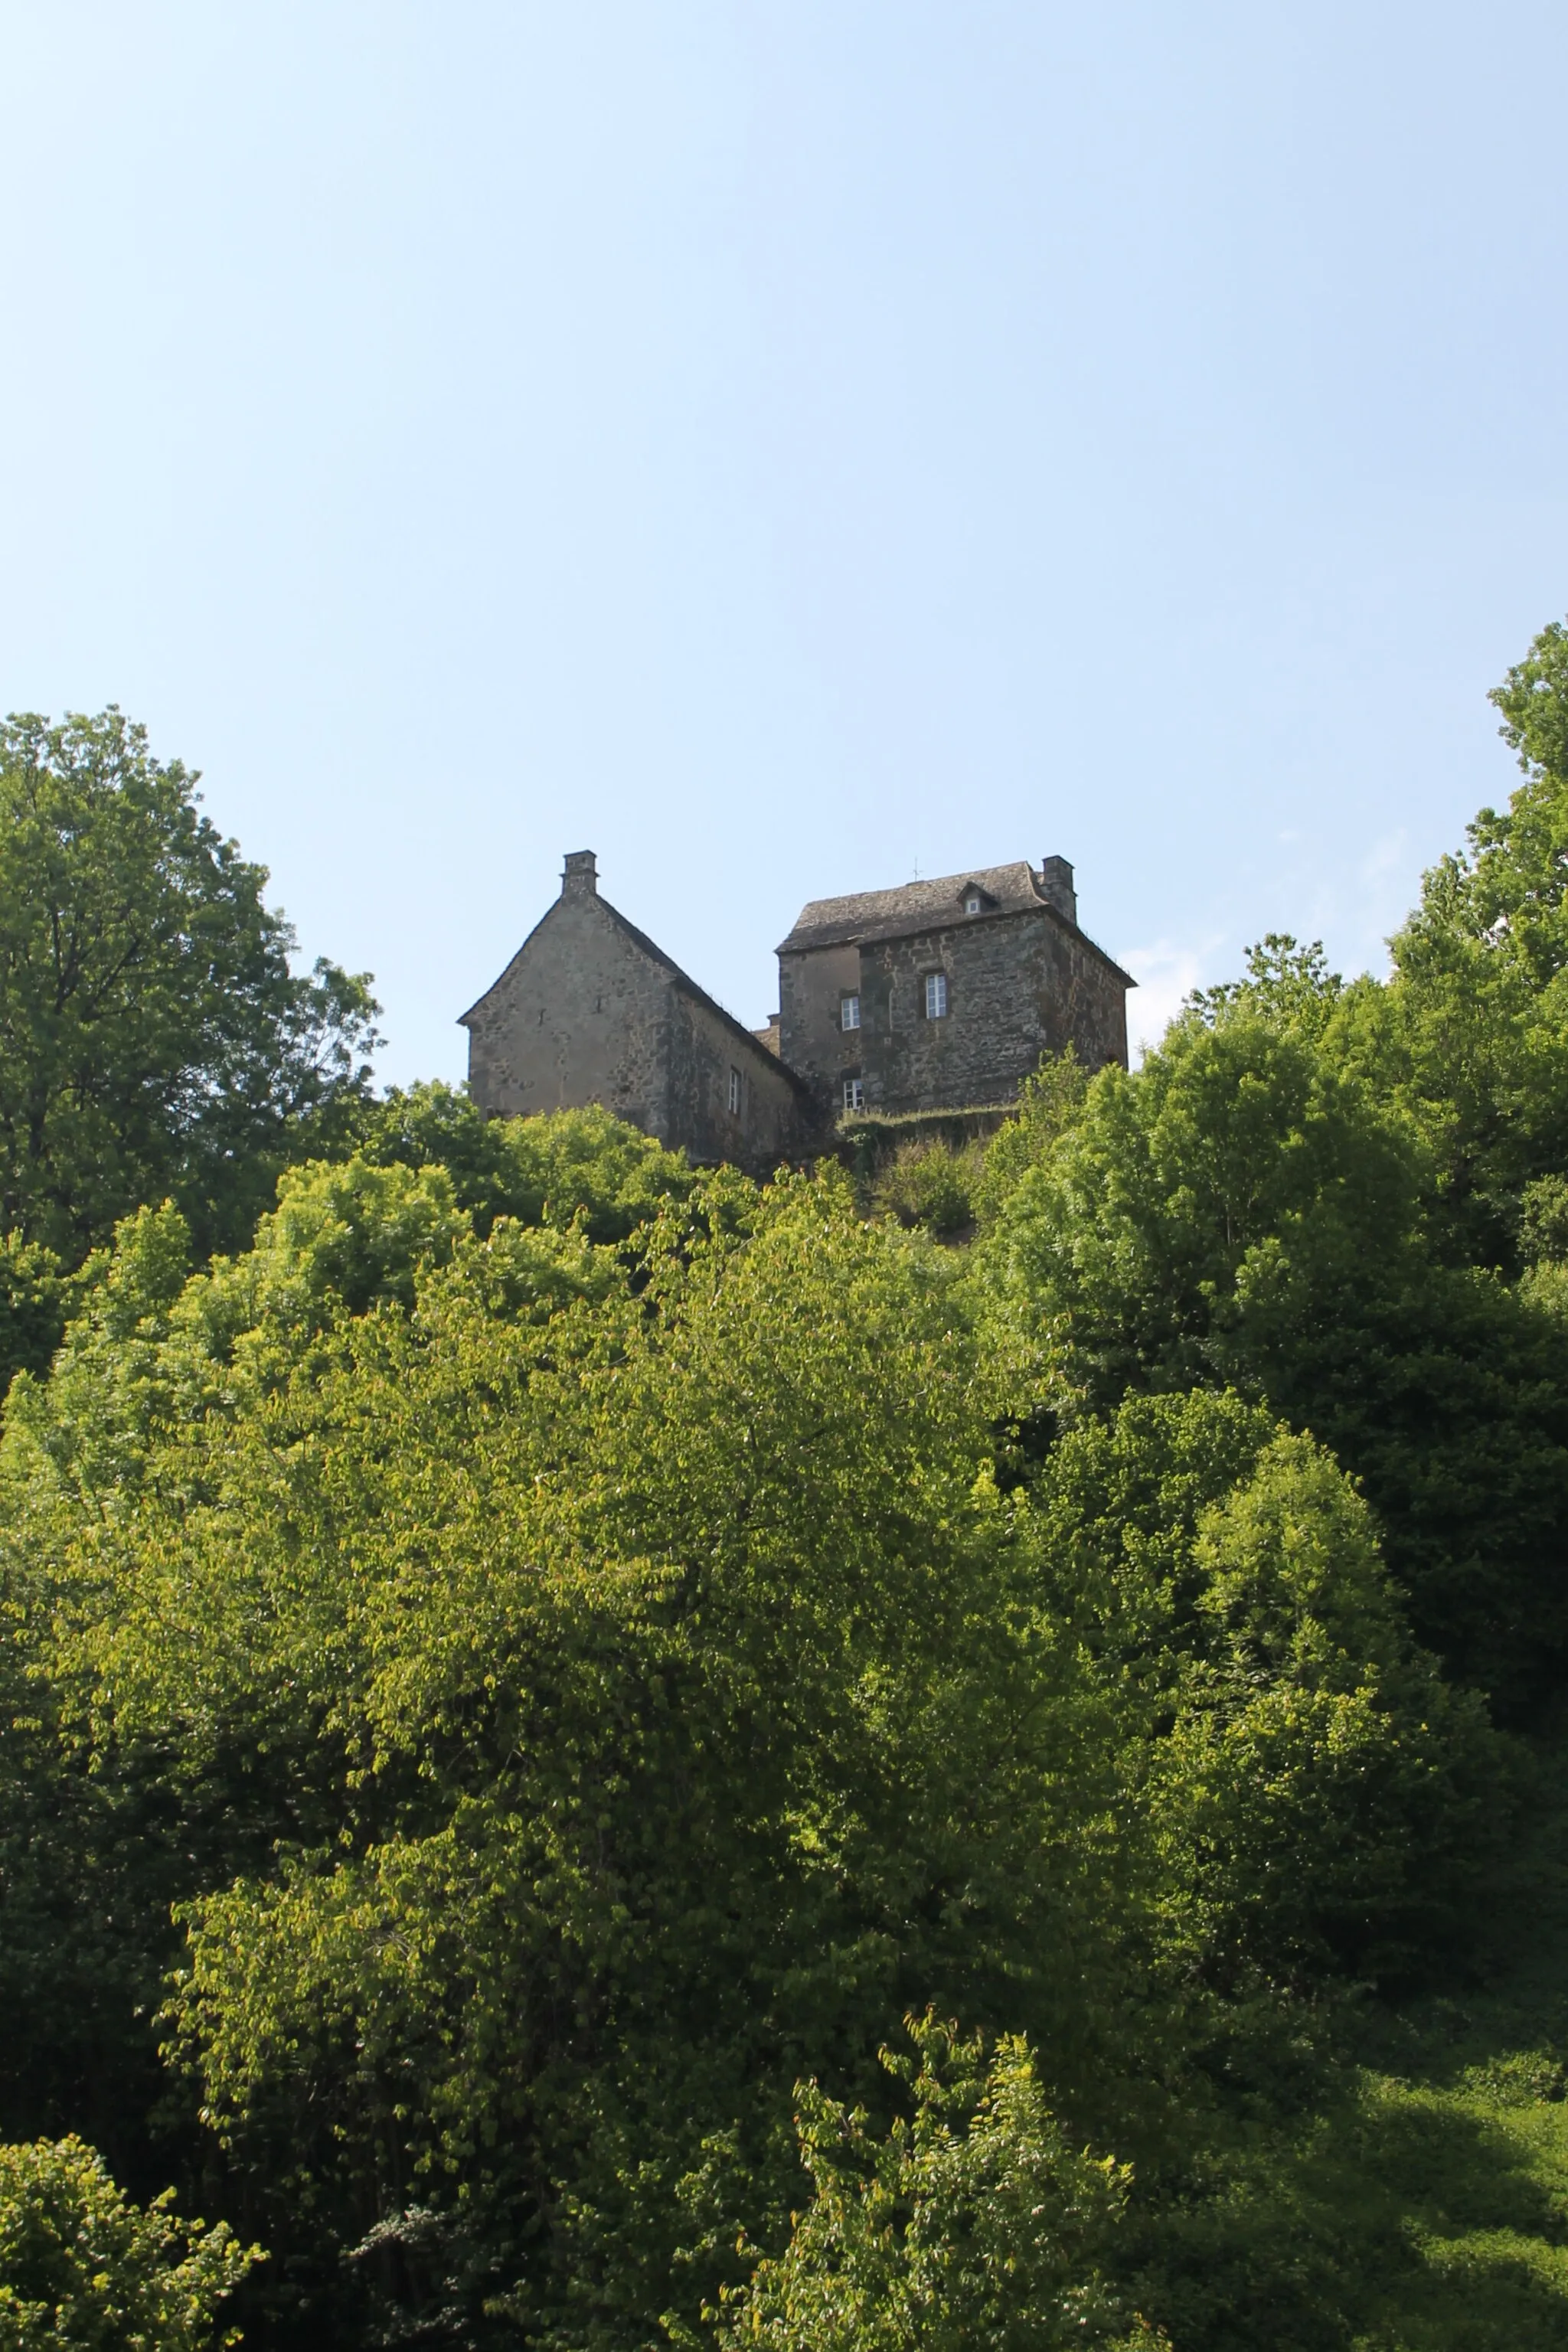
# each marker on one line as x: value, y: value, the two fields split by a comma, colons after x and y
x: 1166, y: 971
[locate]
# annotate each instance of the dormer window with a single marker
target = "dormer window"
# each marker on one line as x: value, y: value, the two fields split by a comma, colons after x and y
x: 971, y: 903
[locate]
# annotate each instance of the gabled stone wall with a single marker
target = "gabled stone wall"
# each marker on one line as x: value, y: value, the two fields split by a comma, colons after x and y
x: 586, y: 1012
x: 578, y: 1016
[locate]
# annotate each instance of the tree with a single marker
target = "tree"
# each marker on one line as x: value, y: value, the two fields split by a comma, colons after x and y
x: 565, y: 1164
x: 153, y: 1040
x: 1224, y: 1576
x: 1242, y: 1212
x: 1285, y: 985
x: 972, y: 2227
x: 1471, y: 1035
x: 570, y: 1690
x: 83, y: 2269
x: 638, y: 1674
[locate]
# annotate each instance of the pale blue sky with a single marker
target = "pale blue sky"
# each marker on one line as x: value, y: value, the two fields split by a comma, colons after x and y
x: 780, y: 445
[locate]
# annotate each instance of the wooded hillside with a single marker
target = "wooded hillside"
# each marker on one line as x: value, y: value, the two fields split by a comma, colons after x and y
x: 600, y: 1757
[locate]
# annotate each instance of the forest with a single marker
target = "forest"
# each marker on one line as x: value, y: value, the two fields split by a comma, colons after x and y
x: 598, y: 1755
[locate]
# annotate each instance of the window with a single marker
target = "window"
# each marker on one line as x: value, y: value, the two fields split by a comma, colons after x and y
x: 849, y: 1012
x: 936, y: 995
x: 854, y: 1094
x: 972, y: 904
x: 735, y: 1092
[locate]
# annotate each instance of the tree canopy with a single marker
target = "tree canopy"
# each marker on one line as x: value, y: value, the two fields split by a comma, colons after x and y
x: 153, y: 1040
x: 600, y: 1755
x: 83, y: 2269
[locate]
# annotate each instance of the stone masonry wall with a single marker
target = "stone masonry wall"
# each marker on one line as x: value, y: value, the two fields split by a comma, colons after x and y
x: 771, y: 1125
x: 1018, y: 985
x: 583, y: 1014
x: 812, y: 1038
x: 580, y: 1015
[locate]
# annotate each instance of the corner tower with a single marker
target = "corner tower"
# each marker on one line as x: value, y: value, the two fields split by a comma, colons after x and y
x: 944, y: 995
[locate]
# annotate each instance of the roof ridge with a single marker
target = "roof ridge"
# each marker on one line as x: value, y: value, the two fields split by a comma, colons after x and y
x: 660, y: 956
x: 932, y: 902
x: 1013, y: 884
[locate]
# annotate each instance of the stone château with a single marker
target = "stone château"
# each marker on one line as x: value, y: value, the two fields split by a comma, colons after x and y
x: 938, y: 995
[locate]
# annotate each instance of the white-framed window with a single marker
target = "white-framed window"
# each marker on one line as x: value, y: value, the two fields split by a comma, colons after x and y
x: 735, y: 1092
x: 854, y: 1094
x: 850, y: 1012
x: 972, y: 904
x: 936, y: 995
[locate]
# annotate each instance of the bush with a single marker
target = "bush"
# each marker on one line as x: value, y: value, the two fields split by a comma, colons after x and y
x: 976, y: 2224
x: 929, y: 1184
x: 81, y: 2266
x: 1225, y: 1577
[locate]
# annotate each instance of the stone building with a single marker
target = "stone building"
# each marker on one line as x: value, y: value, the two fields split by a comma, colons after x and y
x: 590, y: 1011
x: 942, y: 995
x: 935, y: 996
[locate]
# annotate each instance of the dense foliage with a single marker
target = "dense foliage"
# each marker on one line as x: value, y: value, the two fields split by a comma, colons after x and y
x: 84, y: 2270
x: 152, y: 1038
x: 974, y: 2223
x: 602, y: 1755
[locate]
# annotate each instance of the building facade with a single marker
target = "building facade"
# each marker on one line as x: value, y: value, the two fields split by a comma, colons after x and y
x: 935, y: 996
x: 944, y: 995
x: 590, y: 1011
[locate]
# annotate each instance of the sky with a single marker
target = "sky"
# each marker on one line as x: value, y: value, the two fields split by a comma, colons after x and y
x: 788, y: 446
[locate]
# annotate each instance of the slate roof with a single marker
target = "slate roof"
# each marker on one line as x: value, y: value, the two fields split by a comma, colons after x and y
x: 683, y: 980
x: 867, y: 915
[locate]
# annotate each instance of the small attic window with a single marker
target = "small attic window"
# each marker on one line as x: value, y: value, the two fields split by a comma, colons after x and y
x: 973, y: 902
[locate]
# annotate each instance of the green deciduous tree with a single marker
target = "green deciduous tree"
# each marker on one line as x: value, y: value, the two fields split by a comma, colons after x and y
x: 1471, y: 1035
x: 545, y: 1171
x: 1243, y: 1212
x: 571, y: 1690
x: 152, y: 1038
x: 638, y: 1669
x: 1224, y: 1575
x: 975, y: 2226
x: 83, y: 2269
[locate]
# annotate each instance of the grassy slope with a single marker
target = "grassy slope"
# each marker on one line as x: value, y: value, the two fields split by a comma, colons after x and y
x: 1418, y: 2200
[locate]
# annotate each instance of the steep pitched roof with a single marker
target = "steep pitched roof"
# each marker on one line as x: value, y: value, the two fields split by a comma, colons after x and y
x: 867, y: 915
x: 710, y: 1004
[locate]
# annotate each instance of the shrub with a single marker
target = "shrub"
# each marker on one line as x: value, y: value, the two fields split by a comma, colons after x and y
x: 929, y: 1184
x: 976, y: 2224
x: 83, y: 2269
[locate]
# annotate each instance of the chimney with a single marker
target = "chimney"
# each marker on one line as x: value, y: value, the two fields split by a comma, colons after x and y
x: 1056, y: 887
x: 580, y: 879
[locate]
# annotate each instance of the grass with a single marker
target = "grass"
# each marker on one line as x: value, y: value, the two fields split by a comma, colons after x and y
x: 1416, y: 2200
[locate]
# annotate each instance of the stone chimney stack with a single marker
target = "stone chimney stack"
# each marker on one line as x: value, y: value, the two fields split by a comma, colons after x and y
x: 581, y: 877
x: 1056, y: 887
